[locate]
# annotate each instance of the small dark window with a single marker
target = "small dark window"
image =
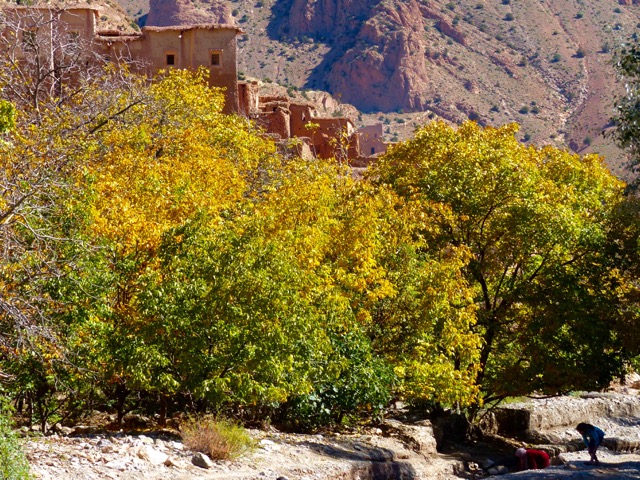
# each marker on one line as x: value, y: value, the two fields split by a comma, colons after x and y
x: 373, y: 150
x: 29, y: 39
x: 171, y: 59
x: 215, y: 59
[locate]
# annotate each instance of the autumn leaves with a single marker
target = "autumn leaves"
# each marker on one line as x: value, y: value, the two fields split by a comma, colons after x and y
x: 182, y: 263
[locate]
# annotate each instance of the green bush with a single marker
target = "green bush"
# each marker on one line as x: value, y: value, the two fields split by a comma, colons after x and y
x: 362, y: 387
x: 13, y: 463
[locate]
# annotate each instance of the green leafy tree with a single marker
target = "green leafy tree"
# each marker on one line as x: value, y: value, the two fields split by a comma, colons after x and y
x: 533, y: 221
x: 627, y: 116
x: 169, y: 158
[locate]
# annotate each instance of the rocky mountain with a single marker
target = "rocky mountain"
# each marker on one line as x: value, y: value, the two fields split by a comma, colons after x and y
x: 164, y: 13
x: 545, y: 64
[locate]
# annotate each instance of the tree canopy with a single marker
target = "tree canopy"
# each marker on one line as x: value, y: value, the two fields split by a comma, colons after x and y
x: 534, y: 222
x: 162, y: 256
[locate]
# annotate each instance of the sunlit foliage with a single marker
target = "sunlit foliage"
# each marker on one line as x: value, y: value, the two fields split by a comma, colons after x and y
x: 534, y: 221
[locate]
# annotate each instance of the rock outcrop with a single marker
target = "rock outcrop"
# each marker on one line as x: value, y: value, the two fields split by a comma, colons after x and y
x: 380, y: 49
x: 163, y: 13
x: 552, y: 421
x: 385, y: 69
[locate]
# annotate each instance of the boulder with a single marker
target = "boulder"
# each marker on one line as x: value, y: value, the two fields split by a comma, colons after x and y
x: 151, y: 455
x: 201, y: 460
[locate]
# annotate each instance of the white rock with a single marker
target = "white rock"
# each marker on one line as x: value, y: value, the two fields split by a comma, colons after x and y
x: 201, y: 460
x: 118, y: 464
x: 152, y: 455
x: 176, y: 445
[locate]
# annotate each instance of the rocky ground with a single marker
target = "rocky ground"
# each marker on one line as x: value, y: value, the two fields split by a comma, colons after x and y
x: 396, y: 450
x: 276, y: 455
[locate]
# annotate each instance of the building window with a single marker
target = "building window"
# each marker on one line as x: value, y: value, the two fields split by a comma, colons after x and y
x: 216, y: 58
x: 171, y: 59
x: 29, y: 40
x: 373, y: 150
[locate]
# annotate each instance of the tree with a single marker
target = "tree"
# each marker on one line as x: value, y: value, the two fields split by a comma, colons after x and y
x: 533, y: 221
x: 627, y: 116
x: 169, y: 159
x: 43, y: 151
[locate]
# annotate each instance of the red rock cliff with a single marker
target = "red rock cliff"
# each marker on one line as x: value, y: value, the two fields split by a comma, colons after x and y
x: 380, y: 61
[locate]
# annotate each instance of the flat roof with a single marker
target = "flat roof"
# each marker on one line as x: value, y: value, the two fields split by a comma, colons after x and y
x: 199, y: 26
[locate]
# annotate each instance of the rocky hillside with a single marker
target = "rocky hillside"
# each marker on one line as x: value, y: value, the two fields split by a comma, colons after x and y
x: 164, y: 13
x: 545, y: 65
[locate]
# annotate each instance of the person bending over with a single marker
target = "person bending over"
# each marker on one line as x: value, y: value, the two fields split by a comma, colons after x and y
x: 532, y: 459
x: 592, y: 438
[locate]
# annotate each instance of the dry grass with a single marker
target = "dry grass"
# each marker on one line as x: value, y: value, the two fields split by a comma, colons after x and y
x: 220, y: 439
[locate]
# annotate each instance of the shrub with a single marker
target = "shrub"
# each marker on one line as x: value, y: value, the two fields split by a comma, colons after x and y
x: 362, y: 389
x: 556, y: 58
x: 508, y: 17
x: 13, y: 463
x: 580, y: 53
x: 220, y: 439
x: 524, y: 110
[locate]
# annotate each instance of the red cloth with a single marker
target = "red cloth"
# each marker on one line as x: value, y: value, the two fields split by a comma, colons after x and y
x: 535, y: 459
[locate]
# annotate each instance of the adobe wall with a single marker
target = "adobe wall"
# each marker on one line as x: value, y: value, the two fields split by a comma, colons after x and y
x: 275, y: 121
x: 80, y: 20
x: 77, y: 21
x: 334, y: 138
x: 191, y: 48
x: 371, y: 140
x: 248, y: 97
x: 301, y: 114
